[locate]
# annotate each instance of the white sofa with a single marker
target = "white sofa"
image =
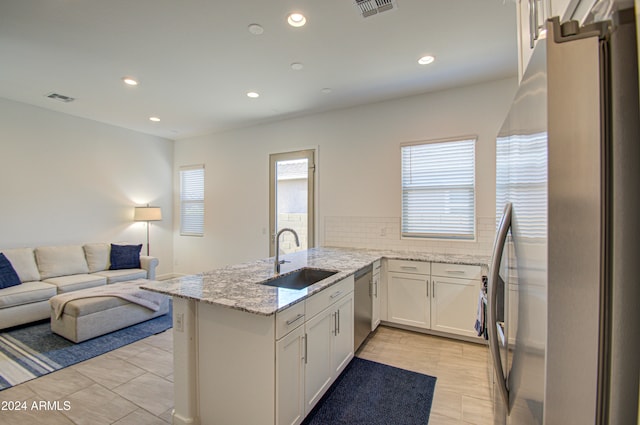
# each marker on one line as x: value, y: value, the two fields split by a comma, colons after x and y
x: 50, y: 270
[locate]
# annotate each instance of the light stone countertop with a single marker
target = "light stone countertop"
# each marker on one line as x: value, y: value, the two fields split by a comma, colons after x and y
x: 238, y: 286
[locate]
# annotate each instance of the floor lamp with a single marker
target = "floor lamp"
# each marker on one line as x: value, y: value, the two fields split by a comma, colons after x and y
x: 147, y: 214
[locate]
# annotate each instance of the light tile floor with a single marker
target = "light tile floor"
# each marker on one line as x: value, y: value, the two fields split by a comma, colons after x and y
x: 133, y: 385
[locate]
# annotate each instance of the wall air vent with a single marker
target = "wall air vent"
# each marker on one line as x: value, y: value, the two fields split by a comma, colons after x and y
x: 371, y: 7
x: 60, y: 97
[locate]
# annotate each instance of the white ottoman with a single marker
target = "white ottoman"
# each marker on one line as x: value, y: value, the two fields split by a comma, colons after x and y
x: 87, y: 318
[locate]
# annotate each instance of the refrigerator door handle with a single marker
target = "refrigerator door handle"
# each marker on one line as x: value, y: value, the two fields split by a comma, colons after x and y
x: 494, y: 277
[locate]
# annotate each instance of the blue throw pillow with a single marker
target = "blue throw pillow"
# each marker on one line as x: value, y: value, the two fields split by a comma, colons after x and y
x: 8, y: 275
x: 125, y: 257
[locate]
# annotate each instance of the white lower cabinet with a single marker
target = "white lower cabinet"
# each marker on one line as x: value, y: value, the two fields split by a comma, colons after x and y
x: 342, y: 350
x: 434, y: 296
x: 454, y: 305
x: 311, y: 357
x: 290, y: 374
x: 408, y: 299
x: 318, y: 369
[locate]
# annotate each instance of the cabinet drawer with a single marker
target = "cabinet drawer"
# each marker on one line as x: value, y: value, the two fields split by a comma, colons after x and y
x: 289, y: 319
x: 406, y: 266
x: 323, y: 299
x: 463, y: 271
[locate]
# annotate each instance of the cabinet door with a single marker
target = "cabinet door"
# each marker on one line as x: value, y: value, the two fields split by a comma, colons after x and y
x: 454, y: 304
x: 290, y: 378
x: 375, y: 296
x: 318, y: 371
x: 408, y: 299
x: 342, y: 351
x: 531, y: 15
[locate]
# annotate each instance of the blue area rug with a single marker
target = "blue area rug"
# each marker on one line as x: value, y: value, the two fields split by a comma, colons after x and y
x: 375, y: 394
x: 30, y: 351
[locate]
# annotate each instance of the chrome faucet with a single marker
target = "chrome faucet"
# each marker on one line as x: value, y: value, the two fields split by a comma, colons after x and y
x: 277, y: 262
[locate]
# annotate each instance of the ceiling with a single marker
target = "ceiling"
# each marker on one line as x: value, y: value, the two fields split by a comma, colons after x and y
x: 195, y: 60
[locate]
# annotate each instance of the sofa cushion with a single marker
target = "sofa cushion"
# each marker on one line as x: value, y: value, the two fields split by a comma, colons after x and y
x: 76, y: 281
x: 125, y: 256
x: 24, y: 263
x: 28, y: 292
x: 54, y: 261
x: 97, y: 255
x: 8, y: 275
x: 114, y: 276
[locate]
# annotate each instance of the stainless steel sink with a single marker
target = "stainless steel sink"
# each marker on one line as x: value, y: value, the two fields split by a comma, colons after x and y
x: 300, y: 279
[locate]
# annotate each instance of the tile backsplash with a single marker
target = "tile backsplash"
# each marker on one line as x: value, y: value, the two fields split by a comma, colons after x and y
x: 384, y: 233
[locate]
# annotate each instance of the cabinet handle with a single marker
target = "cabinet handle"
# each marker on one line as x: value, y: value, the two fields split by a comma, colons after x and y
x: 409, y: 267
x: 335, y: 294
x: 295, y: 319
x: 433, y: 288
x: 427, y: 289
x: 376, y: 283
x: 371, y: 287
x: 532, y: 24
x: 338, y: 322
x: 306, y: 353
x: 455, y: 271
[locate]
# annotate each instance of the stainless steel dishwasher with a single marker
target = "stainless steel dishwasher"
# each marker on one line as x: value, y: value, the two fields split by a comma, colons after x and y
x: 363, y: 311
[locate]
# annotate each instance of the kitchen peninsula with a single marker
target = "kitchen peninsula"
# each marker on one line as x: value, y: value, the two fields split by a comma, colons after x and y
x: 241, y: 343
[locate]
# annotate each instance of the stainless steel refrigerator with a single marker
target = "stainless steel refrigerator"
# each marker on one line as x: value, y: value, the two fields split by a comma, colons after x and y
x: 564, y: 286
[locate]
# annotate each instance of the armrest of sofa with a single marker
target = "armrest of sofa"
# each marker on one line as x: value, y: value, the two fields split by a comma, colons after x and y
x: 149, y: 264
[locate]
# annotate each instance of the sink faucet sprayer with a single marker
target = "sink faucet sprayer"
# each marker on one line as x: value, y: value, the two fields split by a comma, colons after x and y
x: 277, y: 262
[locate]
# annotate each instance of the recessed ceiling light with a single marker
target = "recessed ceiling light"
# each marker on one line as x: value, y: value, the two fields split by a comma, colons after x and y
x: 256, y: 29
x: 426, y: 60
x: 297, y: 66
x: 154, y: 119
x: 296, y: 19
x: 253, y: 94
x: 130, y: 81
x: 326, y: 90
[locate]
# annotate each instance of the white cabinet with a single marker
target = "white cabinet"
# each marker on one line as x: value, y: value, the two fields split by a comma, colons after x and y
x: 376, y: 296
x: 532, y: 16
x: 311, y: 357
x: 408, y: 299
x: 342, y: 350
x: 455, y: 289
x: 318, y: 368
x: 290, y: 374
x: 436, y: 296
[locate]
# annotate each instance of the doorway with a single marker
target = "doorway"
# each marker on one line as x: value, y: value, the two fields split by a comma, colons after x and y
x: 291, y: 199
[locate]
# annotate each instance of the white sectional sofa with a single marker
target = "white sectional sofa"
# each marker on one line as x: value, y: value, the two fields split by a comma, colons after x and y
x: 50, y: 270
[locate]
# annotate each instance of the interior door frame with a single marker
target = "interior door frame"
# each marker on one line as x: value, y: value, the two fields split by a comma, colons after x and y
x: 310, y: 155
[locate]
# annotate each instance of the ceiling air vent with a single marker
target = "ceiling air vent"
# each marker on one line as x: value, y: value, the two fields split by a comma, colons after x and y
x: 371, y: 7
x: 60, y: 97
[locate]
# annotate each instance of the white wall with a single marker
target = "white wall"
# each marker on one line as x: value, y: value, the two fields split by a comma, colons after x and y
x: 68, y: 180
x: 358, y: 167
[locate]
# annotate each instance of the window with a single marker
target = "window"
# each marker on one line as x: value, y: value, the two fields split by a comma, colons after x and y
x: 438, y: 189
x: 192, y: 200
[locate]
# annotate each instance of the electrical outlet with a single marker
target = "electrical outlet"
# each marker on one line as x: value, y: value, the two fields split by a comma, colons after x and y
x: 179, y: 325
x: 383, y: 231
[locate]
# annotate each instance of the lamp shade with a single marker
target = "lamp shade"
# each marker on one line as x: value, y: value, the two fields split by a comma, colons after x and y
x: 147, y: 214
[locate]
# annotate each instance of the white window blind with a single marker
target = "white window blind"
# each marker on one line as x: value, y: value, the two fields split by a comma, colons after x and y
x: 521, y: 178
x: 438, y: 189
x: 192, y: 200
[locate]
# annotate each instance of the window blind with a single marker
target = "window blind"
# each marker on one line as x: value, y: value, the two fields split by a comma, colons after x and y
x: 438, y: 189
x: 192, y: 200
x: 521, y: 178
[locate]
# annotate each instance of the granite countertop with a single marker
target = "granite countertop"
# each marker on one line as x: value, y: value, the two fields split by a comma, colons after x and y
x: 238, y: 286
